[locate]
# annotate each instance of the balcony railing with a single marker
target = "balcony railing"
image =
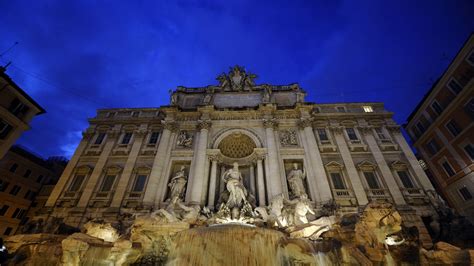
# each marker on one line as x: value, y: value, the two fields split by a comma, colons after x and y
x: 378, y: 193
x: 343, y: 193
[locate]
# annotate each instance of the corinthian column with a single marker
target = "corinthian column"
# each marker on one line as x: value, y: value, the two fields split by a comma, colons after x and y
x: 383, y: 166
x: 275, y: 187
x: 99, y: 166
x: 66, y: 175
x: 260, y: 181
x: 212, y: 181
x: 158, y: 163
x: 320, y: 182
x: 199, y: 170
x: 124, y: 179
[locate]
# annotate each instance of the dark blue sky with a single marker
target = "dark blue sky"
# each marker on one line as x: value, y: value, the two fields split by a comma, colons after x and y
x: 76, y: 56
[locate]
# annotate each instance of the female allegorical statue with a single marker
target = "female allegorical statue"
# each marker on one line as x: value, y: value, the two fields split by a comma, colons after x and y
x: 235, y: 187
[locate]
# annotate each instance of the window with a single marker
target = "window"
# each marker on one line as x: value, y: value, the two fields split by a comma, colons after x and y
x: 454, y: 128
x: 323, y: 136
x: 5, y: 129
x: 368, y: 109
x: 3, y: 185
x: 470, y: 58
x: 139, y: 183
x: 30, y: 195
x: 154, y: 138
x: 108, y: 183
x: 454, y: 86
x: 437, y: 107
x: 380, y: 133
x: 126, y: 138
x: 17, y: 107
x: 111, y: 114
x: 469, y: 108
x: 39, y: 179
x: 4, y: 209
x: 405, y: 178
x: 100, y: 137
x: 8, y: 231
x: 469, y: 150
x: 15, y: 190
x: 447, y: 167
x: 15, y: 213
x: 13, y: 167
x: 19, y: 213
x: 465, y: 193
x: 337, y: 181
x: 371, y: 180
x: 421, y: 128
x: 76, y: 183
x: 432, y: 147
x: 341, y: 109
x: 351, y: 134
x: 27, y: 173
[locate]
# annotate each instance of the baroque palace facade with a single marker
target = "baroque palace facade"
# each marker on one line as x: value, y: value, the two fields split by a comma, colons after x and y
x: 141, y: 159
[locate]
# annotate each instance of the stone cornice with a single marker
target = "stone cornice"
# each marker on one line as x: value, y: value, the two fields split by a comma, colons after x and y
x: 305, y: 122
x: 270, y: 123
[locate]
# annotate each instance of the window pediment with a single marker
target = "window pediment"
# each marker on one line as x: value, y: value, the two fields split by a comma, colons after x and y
x: 333, y: 165
x: 366, y: 165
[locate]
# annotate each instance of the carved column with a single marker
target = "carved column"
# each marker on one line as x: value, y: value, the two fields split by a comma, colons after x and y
x: 415, y: 165
x: 212, y: 181
x: 124, y: 179
x: 154, y: 181
x: 319, y: 185
x: 349, y: 163
x: 260, y: 181
x: 273, y: 176
x: 66, y: 175
x: 199, y: 170
x: 383, y: 166
x: 252, y: 178
x: 94, y: 178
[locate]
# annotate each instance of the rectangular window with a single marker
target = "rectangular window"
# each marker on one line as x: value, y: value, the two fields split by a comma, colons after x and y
x: 15, y: 213
x: 465, y: 193
x: 8, y: 231
x: 432, y: 147
x: 27, y: 173
x: 447, y: 167
x: 4, y: 209
x: 421, y: 128
x: 341, y: 109
x: 454, y: 86
x: 100, y: 137
x: 470, y: 58
x: 337, y: 181
x: 469, y: 108
x: 380, y: 133
x: 15, y: 190
x: 437, y: 107
x: 39, y: 179
x: 469, y: 149
x: 13, y: 167
x: 368, y: 109
x: 351, y: 134
x: 139, y: 183
x: 154, y: 138
x: 108, y: 183
x: 3, y: 185
x: 405, y: 178
x: 17, y: 107
x: 371, y: 180
x: 126, y: 138
x: 5, y: 129
x: 454, y: 128
x: 76, y: 183
x: 323, y: 136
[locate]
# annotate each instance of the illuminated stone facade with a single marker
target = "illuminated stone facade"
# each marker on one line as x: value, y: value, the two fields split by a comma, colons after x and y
x: 136, y: 160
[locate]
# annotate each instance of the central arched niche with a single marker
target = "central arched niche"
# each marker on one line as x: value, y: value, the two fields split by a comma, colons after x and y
x: 237, y: 145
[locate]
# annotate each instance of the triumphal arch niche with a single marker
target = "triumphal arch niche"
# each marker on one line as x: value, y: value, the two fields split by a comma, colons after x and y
x: 217, y: 157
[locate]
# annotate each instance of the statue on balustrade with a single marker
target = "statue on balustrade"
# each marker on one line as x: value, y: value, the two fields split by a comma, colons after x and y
x: 178, y: 184
x: 295, y: 179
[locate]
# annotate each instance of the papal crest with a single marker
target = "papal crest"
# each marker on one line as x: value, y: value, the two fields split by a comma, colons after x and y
x: 236, y: 80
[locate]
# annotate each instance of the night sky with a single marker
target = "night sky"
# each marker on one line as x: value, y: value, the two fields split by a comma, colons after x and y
x: 74, y: 57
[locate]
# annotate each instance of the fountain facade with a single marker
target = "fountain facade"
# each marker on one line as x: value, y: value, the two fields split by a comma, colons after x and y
x: 239, y: 174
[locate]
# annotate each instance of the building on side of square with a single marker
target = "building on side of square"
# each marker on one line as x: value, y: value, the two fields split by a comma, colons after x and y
x: 350, y: 153
x: 441, y: 127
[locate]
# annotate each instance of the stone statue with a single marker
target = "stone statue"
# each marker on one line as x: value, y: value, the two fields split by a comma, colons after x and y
x: 207, y: 99
x: 224, y: 82
x: 184, y: 140
x: 235, y: 187
x: 295, y: 179
x: 301, y: 209
x: 177, y: 184
x: 267, y: 92
x: 174, y: 98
